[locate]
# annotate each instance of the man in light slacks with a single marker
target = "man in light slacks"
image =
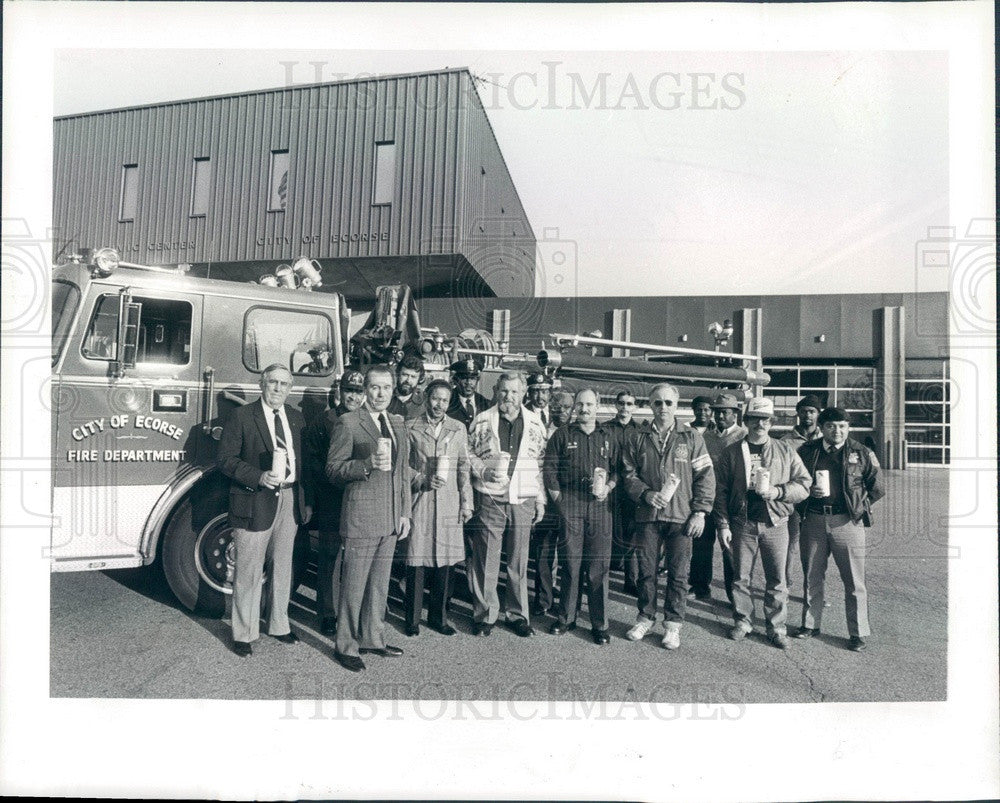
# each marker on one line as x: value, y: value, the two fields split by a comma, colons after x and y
x: 846, y: 481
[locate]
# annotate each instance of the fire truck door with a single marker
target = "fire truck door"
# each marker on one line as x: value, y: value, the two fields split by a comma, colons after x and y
x: 120, y: 440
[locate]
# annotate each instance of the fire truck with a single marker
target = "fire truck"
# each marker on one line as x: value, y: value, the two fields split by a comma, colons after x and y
x: 148, y: 362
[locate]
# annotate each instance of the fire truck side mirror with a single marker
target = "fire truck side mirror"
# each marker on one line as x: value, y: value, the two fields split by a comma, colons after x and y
x: 130, y: 315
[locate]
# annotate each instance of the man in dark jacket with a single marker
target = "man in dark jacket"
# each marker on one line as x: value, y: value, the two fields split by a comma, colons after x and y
x: 466, y: 401
x: 408, y: 401
x: 261, y: 452
x: 327, y: 499
x: 669, y: 476
x: 834, y: 519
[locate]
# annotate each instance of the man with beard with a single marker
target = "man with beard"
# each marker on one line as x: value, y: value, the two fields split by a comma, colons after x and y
x: 508, y: 441
x: 408, y: 402
x: 327, y: 499
x: 369, y: 457
x: 466, y: 402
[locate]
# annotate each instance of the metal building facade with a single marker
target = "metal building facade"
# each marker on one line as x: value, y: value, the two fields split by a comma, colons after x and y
x: 194, y: 181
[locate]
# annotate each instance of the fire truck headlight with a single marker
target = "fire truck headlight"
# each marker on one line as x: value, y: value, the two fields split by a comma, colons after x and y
x: 105, y: 261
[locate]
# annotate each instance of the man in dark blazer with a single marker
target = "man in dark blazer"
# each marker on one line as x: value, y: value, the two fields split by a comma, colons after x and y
x: 267, y: 502
x: 466, y: 401
x: 375, y: 512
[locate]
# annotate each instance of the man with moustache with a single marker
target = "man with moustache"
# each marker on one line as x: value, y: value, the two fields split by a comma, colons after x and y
x: 507, y: 503
x: 561, y: 406
x: 623, y: 554
x: 442, y: 503
x: 267, y: 502
x: 327, y: 499
x: 834, y: 522
x: 726, y: 432
x: 375, y: 512
x: 573, y: 454
x: 466, y: 401
x: 539, y: 393
x: 806, y: 429
x: 758, y: 482
x: 669, y: 476
x: 408, y: 402
x: 545, y: 534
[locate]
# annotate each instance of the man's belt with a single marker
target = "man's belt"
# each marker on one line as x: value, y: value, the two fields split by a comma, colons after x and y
x: 827, y: 510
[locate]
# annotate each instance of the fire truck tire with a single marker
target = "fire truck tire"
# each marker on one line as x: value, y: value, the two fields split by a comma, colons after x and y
x: 195, y: 549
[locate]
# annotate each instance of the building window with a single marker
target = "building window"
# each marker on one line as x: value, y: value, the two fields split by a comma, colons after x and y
x: 130, y: 193
x: 200, y: 186
x: 301, y: 341
x: 164, y: 331
x: 847, y: 386
x: 928, y: 419
x: 384, y: 186
x: 278, y: 186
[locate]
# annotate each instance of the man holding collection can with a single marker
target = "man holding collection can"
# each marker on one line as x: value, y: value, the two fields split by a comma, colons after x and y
x: 581, y: 469
x: 759, y: 480
x: 369, y: 458
x: 846, y: 482
x: 668, y: 474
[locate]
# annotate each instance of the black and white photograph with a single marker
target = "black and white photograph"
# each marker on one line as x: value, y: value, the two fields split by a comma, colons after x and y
x: 502, y: 400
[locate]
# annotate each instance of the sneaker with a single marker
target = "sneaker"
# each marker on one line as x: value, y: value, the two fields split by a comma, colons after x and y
x: 672, y: 638
x: 739, y: 632
x: 779, y: 640
x: 856, y: 644
x: 639, y: 630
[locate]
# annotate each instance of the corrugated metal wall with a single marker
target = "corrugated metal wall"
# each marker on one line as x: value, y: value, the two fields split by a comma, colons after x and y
x: 330, y: 132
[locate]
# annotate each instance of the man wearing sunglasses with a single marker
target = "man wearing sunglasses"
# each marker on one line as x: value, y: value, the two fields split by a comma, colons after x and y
x: 669, y: 475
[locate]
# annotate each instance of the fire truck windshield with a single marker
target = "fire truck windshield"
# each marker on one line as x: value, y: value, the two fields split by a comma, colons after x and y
x: 65, y: 299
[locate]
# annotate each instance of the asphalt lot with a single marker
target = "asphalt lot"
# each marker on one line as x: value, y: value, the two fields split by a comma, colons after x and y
x: 120, y: 634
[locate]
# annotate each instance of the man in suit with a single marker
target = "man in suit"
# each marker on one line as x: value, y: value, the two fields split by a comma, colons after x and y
x: 408, y: 401
x: 267, y: 502
x: 508, y: 501
x: 327, y: 499
x: 466, y: 402
x: 374, y: 513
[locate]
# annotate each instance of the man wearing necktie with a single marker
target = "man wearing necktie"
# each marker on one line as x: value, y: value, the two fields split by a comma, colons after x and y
x: 466, y: 402
x: 266, y: 504
x: 374, y: 514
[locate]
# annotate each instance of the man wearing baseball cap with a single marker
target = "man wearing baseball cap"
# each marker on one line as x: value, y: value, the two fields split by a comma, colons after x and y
x: 328, y: 498
x: 758, y: 482
x: 846, y: 482
x: 466, y: 402
x: 807, y: 412
x: 726, y: 432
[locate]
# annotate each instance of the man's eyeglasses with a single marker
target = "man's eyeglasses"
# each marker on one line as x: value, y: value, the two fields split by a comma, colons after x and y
x: 661, y: 402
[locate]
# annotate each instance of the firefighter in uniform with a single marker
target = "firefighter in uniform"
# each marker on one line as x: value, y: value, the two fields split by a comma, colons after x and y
x: 623, y: 554
x: 573, y: 456
x: 807, y: 429
x: 545, y: 534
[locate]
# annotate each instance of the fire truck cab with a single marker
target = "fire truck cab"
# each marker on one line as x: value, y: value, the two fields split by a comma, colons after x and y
x: 147, y: 363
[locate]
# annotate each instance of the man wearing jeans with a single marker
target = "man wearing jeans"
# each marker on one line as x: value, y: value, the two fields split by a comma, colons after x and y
x: 807, y: 429
x: 834, y: 519
x: 759, y: 481
x: 669, y: 475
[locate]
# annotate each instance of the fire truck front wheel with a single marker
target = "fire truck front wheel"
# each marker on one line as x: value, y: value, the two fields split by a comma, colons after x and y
x: 197, y: 553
